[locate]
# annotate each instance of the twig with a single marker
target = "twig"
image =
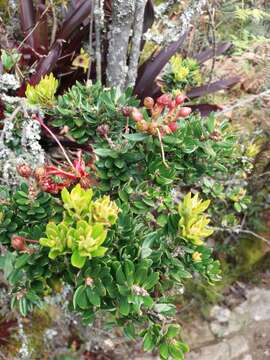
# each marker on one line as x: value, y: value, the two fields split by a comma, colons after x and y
x: 211, y: 13
x: 162, y: 149
x: 98, y: 16
x: 34, y: 28
x: 238, y: 230
x: 40, y: 121
x: 243, y: 102
x: 91, y: 37
x: 54, y: 26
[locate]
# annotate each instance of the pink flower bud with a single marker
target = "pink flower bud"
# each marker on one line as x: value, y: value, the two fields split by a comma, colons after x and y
x: 172, y: 105
x: 164, y: 100
x: 184, y: 112
x: 136, y: 115
x: 180, y: 99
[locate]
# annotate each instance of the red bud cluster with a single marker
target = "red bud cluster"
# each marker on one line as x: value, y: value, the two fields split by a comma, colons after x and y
x: 164, y: 114
x: 18, y: 243
x: 24, y: 170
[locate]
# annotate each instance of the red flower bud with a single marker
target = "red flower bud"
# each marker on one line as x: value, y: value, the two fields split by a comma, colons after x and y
x: 172, y: 104
x: 24, y: 170
x: 149, y: 102
x: 173, y: 126
x: 136, y: 115
x: 18, y: 243
x: 164, y: 100
x: 180, y: 99
x: 184, y: 112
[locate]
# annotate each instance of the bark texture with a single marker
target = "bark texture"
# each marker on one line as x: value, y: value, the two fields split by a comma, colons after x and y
x: 99, y: 17
x: 136, y: 42
x: 122, y: 20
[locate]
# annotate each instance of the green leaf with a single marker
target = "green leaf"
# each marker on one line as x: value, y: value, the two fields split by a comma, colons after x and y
x: 119, y: 163
x: 129, y: 331
x: 120, y: 277
x: 173, y: 331
x: 136, y: 137
x: 106, y: 153
x: 123, y: 290
x: 21, y: 261
x: 77, y: 260
x: 93, y: 296
x: 164, y: 351
x: 23, y: 306
x: 148, y: 342
x: 129, y: 271
x: 124, y: 306
x: 165, y: 309
x: 175, y: 352
x: 99, y: 252
x: 237, y: 207
x: 80, y: 298
x: 151, y: 281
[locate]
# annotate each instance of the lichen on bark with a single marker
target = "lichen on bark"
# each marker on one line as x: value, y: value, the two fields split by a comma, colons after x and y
x: 136, y: 42
x: 122, y: 20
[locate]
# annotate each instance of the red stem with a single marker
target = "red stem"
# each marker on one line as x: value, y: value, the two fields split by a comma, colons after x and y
x: 40, y: 121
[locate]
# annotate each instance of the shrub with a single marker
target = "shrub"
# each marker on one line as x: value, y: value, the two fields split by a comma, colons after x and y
x: 128, y: 241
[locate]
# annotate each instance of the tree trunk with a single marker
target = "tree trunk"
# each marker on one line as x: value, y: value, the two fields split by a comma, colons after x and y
x: 136, y: 42
x: 122, y: 20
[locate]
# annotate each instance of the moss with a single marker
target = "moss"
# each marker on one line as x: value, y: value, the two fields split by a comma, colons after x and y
x: 38, y: 323
x: 249, y: 252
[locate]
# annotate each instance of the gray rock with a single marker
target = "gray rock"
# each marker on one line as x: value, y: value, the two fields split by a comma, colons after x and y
x: 224, y: 350
x: 247, y: 357
x: 197, y: 333
x: 255, y: 308
x: 238, y: 346
x: 221, y: 314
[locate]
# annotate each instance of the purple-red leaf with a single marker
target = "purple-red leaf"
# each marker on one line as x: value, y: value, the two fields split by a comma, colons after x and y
x: 213, y: 87
x: 47, y: 63
x: 205, y: 109
x: 149, y: 16
x: 75, y: 19
x: 28, y: 21
x: 210, y: 53
x: 153, y: 66
x: 42, y: 33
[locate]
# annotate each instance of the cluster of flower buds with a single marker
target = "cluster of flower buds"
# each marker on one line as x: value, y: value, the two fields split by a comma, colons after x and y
x: 68, y: 176
x: 164, y: 114
x: 44, y: 176
x: 24, y: 170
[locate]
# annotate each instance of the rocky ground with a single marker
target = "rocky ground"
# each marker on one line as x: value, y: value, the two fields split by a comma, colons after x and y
x: 241, y: 333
